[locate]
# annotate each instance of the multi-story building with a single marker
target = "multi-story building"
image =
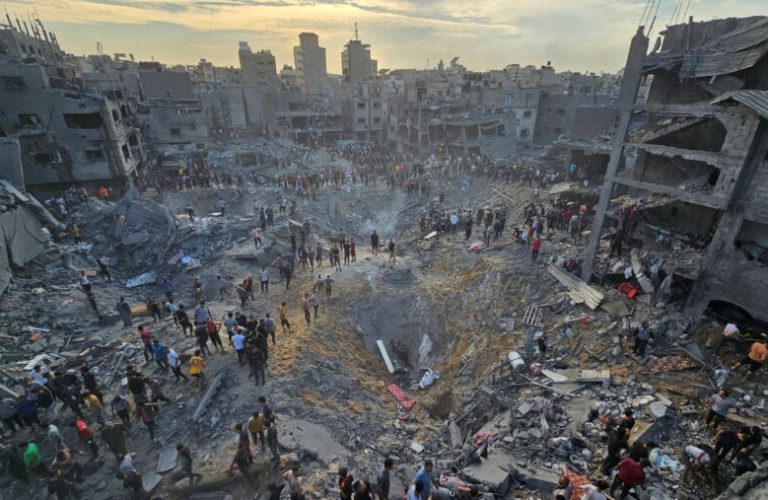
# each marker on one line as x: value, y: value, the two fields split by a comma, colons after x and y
x: 356, y: 62
x: 699, y: 149
x: 309, y: 57
x: 171, y: 112
x: 364, y: 108
x: 66, y: 135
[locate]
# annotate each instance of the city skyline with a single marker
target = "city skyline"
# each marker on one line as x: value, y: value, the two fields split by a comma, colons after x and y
x: 586, y: 35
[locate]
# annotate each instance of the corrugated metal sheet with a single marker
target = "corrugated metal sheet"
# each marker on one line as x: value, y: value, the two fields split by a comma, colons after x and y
x: 735, y: 51
x: 756, y: 100
x: 703, y: 63
x: 740, y: 39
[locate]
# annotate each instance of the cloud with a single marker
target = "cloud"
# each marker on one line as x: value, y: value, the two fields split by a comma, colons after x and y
x: 578, y: 34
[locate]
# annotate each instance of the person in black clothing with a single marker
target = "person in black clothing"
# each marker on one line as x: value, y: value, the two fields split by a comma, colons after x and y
x: 639, y: 451
x: 374, y: 243
x: 751, y: 439
x: 616, y: 441
x: 347, y: 250
x: 104, y: 271
x: 346, y: 481
x: 201, y: 333
x: 627, y: 422
x: 183, y: 319
x: 362, y: 490
x: 725, y: 442
x: 382, y: 480
x: 90, y: 383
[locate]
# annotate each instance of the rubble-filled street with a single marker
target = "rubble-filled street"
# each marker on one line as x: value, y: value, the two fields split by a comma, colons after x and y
x: 222, y: 282
x: 506, y: 371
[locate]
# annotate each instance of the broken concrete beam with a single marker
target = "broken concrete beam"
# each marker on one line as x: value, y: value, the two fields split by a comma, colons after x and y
x: 637, y: 270
x: 554, y: 376
x: 385, y: 355
x: 213, y: 386
x: 457, y: 440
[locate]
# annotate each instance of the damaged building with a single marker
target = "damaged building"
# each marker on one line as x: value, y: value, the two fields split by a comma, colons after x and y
x: 693, y: 160
x: 66, y: 133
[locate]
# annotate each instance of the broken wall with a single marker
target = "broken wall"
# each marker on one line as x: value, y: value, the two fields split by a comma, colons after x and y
x: 21, y: 241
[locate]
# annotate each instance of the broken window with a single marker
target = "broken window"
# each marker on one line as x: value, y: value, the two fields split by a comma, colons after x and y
x: 175, y: 132
x: 94, y: 154
x: 83, y: 120
x: 360, y: 105
x: 753, y: 241
x: 29, y: 120
x: 133, y: 140
x: 376, y: 104
x: 115, y: 115
x: 126, y: 152
x: 702, y: 135
x: 123, y: 111
x: 377, y: 120
x: 14, y: 83
x: 361, y: 120
x: 558, y: 130
x: 524, y: 132
x: 44, y: 158
x: 527, y: 113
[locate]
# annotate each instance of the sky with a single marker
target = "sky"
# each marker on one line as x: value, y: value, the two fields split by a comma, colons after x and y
x: 576, y: 35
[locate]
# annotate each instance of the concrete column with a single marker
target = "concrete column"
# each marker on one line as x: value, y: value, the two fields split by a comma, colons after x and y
x: 729, y: 225
x: 630, y: 84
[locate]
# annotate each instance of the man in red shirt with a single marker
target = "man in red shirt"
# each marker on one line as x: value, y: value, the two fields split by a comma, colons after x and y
x: 535, y: 248
x: 146, y: 339
x: 630, y: 474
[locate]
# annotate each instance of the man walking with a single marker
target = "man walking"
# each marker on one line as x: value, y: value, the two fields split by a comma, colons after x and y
x: 305, y: 307
x: 643, y: 334
x: 264, y: 279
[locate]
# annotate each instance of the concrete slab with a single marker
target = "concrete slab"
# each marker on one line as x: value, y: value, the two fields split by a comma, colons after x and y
x: 166, y: 460
x: 150, y: 480
x: 578, y: 410
x: 492, y: 472
x: 301, y: 436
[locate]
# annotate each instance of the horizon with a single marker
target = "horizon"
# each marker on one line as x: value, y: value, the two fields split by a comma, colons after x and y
x: 535, y: 32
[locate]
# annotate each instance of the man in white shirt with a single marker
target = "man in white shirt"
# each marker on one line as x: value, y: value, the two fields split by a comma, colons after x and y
x: 37, y: 375
x: 172, y: 358
x: 264, y: 278
x: 238, y: 341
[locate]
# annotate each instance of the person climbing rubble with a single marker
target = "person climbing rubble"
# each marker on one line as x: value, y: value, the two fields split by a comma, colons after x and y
x: 642, y: 335
x: 755, y: 358
x: 124, y: 310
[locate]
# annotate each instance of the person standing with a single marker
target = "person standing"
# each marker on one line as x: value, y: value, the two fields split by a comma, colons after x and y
x: 328, y: 282
x: 238, y: 342
x: 120, y: 408
x: 535, y: 248
x: 184, y: 458
x: 174, y: 363
x: 305, y: 307
x: 643, y: 334
x: 283, y: 314
x: 382, y: 480
x: 264, y: 279
x: 124, y: 310
x: 353, y: 250
x: 114, y: 435
x: 425, y: 476
x: 314, y: 302
x: 256, y: 236
x: 196, y: 364
x: 256, y: 428
x: 391, y: 248
x: 159, y: 350
x: 269, y: 327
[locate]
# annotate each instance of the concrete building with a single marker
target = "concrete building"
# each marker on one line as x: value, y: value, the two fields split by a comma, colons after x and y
x: 258, y: 69
x: 309, y: 58
x: 698, y: 148
x: 364, y: 108
x: 356, y: 62
x: 171, y: 113
x: 66, y: 135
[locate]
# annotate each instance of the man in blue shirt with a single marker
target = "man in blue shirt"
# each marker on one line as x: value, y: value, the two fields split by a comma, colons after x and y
x: 425, y: 476
x: 161, y: 357
x: 238, y: 341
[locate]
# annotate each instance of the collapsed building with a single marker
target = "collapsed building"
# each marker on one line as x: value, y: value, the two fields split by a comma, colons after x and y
x: 692, y: 158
